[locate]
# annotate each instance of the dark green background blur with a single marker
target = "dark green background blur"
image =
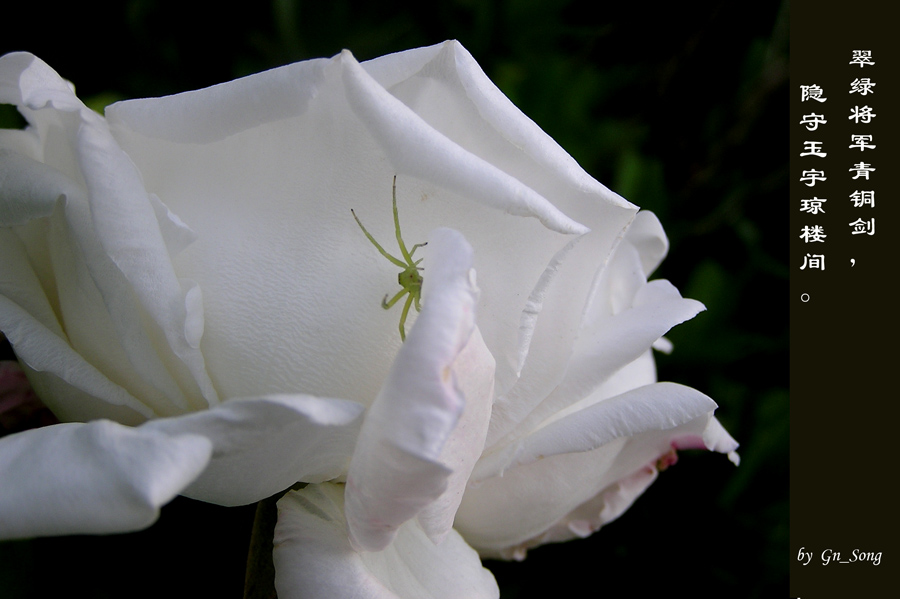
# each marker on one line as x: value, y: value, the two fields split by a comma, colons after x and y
x: 681, y: 107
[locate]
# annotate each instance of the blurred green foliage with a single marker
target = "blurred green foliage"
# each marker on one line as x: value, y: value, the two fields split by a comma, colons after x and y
x: 679, y: 107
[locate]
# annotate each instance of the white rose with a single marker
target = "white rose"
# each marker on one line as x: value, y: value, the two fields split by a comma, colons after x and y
x: 190, y: 266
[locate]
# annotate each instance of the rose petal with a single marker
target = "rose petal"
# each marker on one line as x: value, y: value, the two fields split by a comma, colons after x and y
x: 314, y: 558
x: 473, y: 371
x: 94, y: 478
x: 264, y: 445
x: 416, y: 148
x: 283, y: 156
x: 660, y: 406
x: 713, y: 438
x: 610, y: 345
x: 502, y: 516
x: 106, y: 256
x: 646, y: 234
x: 588, y: 517
x: 29, y: 189
x: 127, y: 227
x: 72, y: 387
x: 102, y: 321
x: 565, y: 332
x: 27, y: 81
x: 396, y: 469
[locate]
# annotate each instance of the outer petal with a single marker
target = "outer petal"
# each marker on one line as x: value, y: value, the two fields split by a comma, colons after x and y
x: 28, y: 320
x: 104, y: 259
x: 572, y: 494
x: 613, y: 500
x: 56, y: 477
x: 396, y: 469
x: 587, y: 518
x: 314, y: 559
x: 264, y: 445
x: 660, y: 406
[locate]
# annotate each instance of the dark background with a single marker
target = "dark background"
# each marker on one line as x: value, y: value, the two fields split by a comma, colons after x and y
x: 680, y: 107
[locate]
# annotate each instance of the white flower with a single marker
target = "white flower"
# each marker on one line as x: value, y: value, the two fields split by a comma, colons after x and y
x: 189, y: 267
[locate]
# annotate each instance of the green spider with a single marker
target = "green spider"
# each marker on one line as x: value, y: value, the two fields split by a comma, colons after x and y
x: 409, y: 278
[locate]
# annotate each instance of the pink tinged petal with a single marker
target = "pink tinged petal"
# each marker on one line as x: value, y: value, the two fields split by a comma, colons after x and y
x: 588, y: 517
x: 615, y: 499
x: 660, y: 406
x: 474, y: 373
x: 314, y: 559
x: 508, y: 513
x: 396, y: 469
x: 264, y: 445
x: 14, y: 388
x: 20, y: 408
x: 714, y: 438
x: 94, y: 478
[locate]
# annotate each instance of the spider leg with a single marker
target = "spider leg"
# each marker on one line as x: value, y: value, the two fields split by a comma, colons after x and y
x: 388, y: 304
x: 414, y: 248
x: 409, y: 301
x: 384, y: 253
x: 406, y: 254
